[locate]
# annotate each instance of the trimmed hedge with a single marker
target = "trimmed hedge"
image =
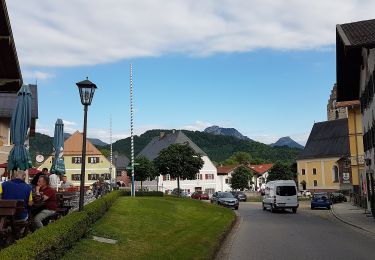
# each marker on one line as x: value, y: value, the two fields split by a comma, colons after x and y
x: 52, y: 241
x: 143, y: 193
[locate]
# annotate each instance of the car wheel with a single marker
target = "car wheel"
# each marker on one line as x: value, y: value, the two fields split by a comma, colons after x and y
x: 264, y: 208
x: 312, y: 207
x: 294, y: 210
x: 236, y: 208
x: 272, y: 209
x: 329, y: 207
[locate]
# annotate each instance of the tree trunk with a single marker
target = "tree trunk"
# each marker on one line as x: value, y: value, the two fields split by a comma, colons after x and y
x: 141, y: 186
x: 178, y: 186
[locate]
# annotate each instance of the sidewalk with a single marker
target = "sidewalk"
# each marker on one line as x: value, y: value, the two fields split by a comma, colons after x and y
x: 354, y: 216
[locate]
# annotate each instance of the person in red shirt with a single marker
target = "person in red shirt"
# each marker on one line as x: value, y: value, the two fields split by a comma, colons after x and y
x: 48, y: 195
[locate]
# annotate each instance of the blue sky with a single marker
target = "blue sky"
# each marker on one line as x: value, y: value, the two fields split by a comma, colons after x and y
x: 267, y: 71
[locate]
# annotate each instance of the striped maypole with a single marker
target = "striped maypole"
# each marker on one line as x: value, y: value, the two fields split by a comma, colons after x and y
x: 111, y: 157
x: 131, y: 129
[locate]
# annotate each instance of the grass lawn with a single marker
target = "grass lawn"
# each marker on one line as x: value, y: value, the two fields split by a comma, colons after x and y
x: 156, y: 228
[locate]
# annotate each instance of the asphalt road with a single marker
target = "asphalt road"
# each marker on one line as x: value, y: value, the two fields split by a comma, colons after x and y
x: 306, y: 235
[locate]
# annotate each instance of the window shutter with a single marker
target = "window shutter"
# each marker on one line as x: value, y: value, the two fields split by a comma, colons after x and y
x: 164, y: 178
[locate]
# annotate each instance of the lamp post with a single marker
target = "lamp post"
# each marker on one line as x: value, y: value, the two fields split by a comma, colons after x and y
x: 86, y: 91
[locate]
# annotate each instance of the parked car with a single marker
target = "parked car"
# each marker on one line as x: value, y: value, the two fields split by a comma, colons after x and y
x: 320, y: 200
x: 280, y: 194
x: 305, y: 193
x: 239, y: 195
x: 199, y: 195
x: 182, y: 193
x: 225, y: 199
x: 337, y: 197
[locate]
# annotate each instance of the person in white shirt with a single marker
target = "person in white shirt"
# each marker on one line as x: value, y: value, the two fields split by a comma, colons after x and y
x: 54, y: 181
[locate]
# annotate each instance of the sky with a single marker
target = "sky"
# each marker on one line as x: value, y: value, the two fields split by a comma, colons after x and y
x: 264, y: 67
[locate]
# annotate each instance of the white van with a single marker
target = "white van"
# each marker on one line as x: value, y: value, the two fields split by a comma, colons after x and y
x: 280, y: 195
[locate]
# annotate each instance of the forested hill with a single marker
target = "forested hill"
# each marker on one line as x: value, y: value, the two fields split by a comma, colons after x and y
x: 217, y: 147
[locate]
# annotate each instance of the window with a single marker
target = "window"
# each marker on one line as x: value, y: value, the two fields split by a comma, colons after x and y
x: 106, y: 176
x: 76, y: 177
x: 200, y: 176
x: 286, y: 190
x: 77, y: 160
x: 303, y: 172
x: 314, y: 171
x: 335, y: 173
x: 209, y: 191
x: 118, y: 173
x: 93, y: 177
x: 209, y: 176
x: 315, y: 183
x: 93, y: 160
x: 227, y: 181
x: 167, y: 177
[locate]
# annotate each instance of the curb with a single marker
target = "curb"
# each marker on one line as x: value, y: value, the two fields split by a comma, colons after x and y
x: 225, y: 235
x: 349, y: 223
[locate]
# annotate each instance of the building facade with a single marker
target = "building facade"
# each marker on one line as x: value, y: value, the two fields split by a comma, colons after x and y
x: 334, y: 112
x: 324, y: 164
x: 97, y: 165
x: 355, y: 59
x: 206, y: 179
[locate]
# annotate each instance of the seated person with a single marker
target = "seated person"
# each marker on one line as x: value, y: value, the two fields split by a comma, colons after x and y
x: 34, y: 181
x: 17, y: 189
x: 48, y: 195
x: 65, y: 183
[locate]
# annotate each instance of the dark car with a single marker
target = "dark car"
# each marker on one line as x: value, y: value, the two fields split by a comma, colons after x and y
x: 321, y: 200
x: 337, y: 197
x: 239, y: 195
x: 199, y: 195
x: 225, y: 199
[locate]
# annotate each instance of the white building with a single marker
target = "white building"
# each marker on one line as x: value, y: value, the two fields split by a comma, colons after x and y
x: 206, y: 179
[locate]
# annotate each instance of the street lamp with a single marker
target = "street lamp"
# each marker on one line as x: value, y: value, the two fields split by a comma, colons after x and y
x: 86, y: 92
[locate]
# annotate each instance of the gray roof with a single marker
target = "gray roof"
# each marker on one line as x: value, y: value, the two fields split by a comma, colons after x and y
x: 121, y: 162
x: 153, y: 148
x: 327, y: 139
x: 8, y: 103
x: 358, y: 34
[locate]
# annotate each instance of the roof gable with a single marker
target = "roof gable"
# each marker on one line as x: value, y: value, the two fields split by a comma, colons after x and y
x: 153, y: 148
x: 261, y: 168
x: 223, y: 170
x: 327, y: 139
x: 73, y: 145
x: 8, y: 103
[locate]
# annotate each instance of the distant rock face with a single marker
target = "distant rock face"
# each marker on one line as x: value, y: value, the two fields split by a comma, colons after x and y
x: 287, y: 141
x: 216, y: 130
x: 94, y: 141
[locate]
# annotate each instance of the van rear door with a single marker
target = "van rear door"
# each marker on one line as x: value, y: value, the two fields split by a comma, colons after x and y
x: 286, y: 196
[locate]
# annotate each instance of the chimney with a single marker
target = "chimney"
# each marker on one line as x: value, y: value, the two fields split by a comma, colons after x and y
x: 162, y: 134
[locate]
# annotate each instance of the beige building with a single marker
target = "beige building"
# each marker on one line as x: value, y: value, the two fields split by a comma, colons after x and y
x: 97, y: 165
x: 334, y: 112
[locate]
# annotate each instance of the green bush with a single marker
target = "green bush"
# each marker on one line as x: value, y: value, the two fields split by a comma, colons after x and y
x: 144, y: 193
x: 52, y: 241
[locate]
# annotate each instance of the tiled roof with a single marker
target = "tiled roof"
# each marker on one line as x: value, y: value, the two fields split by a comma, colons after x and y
x: 261, y: 168
x: 358, y: 34
x: 73, y: 146
x: 8, y: 103
x: 327, y: 139
x: 222, y: 170
x: 153, y: 148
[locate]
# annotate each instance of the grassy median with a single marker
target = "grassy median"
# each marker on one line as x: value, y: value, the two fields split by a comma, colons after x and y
x: 156, y: 228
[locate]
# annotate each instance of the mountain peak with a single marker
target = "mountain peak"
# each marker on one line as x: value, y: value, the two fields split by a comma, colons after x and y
x: 287, y: 141
x: 217, y: 130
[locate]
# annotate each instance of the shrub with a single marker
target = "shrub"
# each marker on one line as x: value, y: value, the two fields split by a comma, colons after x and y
x: 52, y: 241
x: 144, y: 193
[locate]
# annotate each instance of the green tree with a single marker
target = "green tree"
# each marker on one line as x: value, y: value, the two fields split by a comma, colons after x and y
x: 106, y: 152
x: 179, y: 161
x: 280, y: 171
x: 242, y: 158
x: 240, y: 178
x: 144, y: 169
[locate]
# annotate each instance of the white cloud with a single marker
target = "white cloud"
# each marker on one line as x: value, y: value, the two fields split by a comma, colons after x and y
x: 69, y: 123
x: 68, y: 33
x: 36, y: 75
x: 197, y: 126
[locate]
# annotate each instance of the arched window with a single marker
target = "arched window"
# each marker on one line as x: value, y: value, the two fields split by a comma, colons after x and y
x: 335, y: 173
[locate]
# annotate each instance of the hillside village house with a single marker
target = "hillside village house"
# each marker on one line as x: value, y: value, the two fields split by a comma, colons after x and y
x: 10, y: 83
x: 260, y: 174
x: 97, y: 165
x: 355, y: 71
x: 206, y: 178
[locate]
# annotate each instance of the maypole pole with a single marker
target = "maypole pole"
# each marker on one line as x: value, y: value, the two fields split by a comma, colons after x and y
x: 131, y: 129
